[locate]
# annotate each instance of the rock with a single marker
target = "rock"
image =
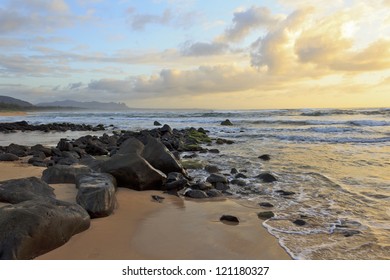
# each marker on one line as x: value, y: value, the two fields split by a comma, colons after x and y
x: 226, y: 122
x: 18, y: 150
x: 156, y: 123
x: 265, y: 157
x: 63, y: 174
x: 95, y: 148
x: 217, y: 178
x: 39, y: 148
x: 284, y: 193
x: 160, y: 157
x: 240, y: 175
x: 229, y: 219
x: 175, y: 185
x: 221, y: 186
x: 195, y: 194
x: 166, y: 129
x: 221, y: 141
x: 265, y: 215
x: 193, y: 155
x: 157, y: 198
x: 19, y: 190
x: 192, y: 164
x: 134, y: 172
x: 131, y: 146
x: 64, y: 145
x: 349, y: 233
x: 266, y: 204
x: 213, y: 193
x: 201, y: 186
x: 299, y: 222
x: 96, y: 194
x: 233, y: 171
x: 211, y: 169
x: 8, y: 157
x: 214, y: 151
x: 34, y: 227
x: 267, y: 177
x: 238, y: 182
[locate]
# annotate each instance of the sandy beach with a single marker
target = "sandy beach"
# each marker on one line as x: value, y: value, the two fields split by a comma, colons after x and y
x: 12, y: 113
x: 177, y: 228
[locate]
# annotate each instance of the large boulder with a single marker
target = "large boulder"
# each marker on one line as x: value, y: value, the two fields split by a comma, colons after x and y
x: 96, y: 194
x: 19, y: 190
x: 134, y: 172
x: 19, y: 150
x: 160, y: 157
x: 131, y: 146
x: 64, y: 174
x: 8, y: 157
x: 34, y: 227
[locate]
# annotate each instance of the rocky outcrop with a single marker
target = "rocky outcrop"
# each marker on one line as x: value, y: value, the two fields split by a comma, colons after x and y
x: 267, y: 177
x: 25, y: 126
x: 134, y: 172
x: 34, y: 227
x: 19, y: 190
x: 226, y: 122
x: 63, y: 174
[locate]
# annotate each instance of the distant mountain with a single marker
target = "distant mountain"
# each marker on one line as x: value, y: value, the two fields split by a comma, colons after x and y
x: 7, y: 101
x: 94, y: 105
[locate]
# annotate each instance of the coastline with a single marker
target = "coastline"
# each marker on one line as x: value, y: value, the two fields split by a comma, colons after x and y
x: 12, y: 113
x: 187, y: 229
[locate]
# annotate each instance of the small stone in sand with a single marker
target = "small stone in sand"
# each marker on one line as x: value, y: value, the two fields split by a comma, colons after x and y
x: 229, y: 219
x: 157, y: 198
x: 265, y: 215
x: 299, y: 222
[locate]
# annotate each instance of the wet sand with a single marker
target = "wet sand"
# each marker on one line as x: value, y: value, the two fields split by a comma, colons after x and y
x: 177, y: 228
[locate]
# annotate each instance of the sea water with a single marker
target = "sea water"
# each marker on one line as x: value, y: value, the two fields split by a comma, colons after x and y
x: 337, y: 163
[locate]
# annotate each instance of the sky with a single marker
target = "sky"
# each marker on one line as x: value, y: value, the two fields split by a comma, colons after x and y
x: 219, y: 54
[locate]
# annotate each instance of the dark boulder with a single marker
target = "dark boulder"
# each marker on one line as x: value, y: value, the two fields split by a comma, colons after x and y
x: 175, y: 181
x: 64, y: 145
x: 240, y: 175
x: 166, y: 129
x: 267, y: 177
x: 266, y: 204
x: 63, y: 174
x: 156, y: 123
x: 265, y: 157
x: 229, y: 219
x: 40, y: 148
x: 221, y: 186
x: 195, y: 194
x: 96, y: 148
x: 214, y: 151
x: 96, y: 194
x: 160, y: 157
x: 8, y: 157
x: 134, y: 172
x: 18, y: 150
x: 131, y: 146
x: 211, y: 169
x: 233, y: 171
x: 19, y: 190
x: 284, y: 193
x: 265, y: 215
x: 217, y: 178
x: 214, y: 193
x: 299, y: 222
x: 226, y: 122
x: 35, y: 227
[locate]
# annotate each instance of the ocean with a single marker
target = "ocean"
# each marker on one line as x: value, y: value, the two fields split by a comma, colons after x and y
x: 336, y: 161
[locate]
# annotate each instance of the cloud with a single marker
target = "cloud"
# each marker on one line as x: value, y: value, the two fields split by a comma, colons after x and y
x: 246, y: 21
x: 34, y: 15
x: 203, y: 48
x: 140, y: 21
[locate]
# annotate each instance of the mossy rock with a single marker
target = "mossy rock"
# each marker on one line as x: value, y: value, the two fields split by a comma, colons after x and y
x: 198, y: 137
x: 192, y: 164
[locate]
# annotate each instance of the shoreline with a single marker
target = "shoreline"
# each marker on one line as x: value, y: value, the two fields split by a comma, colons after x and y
x: 187, y: 229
